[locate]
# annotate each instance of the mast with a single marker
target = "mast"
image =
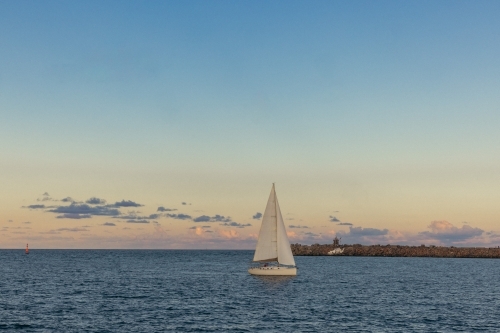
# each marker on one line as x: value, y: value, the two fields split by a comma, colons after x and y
x: 276, y: 222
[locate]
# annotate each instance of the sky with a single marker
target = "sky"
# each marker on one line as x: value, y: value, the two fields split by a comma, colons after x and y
x: 163, y: 124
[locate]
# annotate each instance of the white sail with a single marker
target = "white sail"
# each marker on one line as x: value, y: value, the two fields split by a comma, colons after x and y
x: 285, y: 256
x: 273, y: 244
x: 266, y: 249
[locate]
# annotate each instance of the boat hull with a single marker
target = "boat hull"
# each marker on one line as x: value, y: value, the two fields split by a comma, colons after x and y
x: 273, y: 271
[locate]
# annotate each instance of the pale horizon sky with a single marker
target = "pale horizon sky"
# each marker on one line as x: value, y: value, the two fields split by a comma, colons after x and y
x: 378, y: 122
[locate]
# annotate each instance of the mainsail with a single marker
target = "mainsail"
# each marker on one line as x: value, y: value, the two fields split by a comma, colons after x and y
x: 273, y: 244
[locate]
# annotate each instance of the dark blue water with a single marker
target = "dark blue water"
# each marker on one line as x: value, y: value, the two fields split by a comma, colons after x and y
x: 211, y: 291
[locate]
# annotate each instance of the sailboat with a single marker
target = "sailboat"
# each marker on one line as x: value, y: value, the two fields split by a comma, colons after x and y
x: 27, y: 251
x: 273, y: 252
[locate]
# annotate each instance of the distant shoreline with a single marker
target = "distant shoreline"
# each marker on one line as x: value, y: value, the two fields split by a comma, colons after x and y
x: 395, y: 251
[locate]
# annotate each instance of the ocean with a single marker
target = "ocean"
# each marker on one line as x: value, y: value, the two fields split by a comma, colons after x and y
x: 211, y: 291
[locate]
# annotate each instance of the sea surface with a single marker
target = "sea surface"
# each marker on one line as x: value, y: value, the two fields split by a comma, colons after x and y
x: 211, y: 291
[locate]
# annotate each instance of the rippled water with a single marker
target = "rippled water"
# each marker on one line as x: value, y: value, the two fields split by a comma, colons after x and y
x: 209, y: 291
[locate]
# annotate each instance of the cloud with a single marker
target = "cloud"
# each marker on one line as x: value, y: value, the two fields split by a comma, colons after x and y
x: 11, y: 221
x: 345, y: 223
x: 134, y: 216
x: 231, y: 233
x: 216, y: 218
x: 298, y: 226
x: 440, y: 232
x: 203, y: 218
x: 96, y: 201
x: 84, y: 209
x: 35, y: 206
x: 257, y: 216
x: 109, y: 224
x: 200, y: 230
x: 27, y: 222
x: 163, y: 209
x: 72, y: 229
x: 74, y: 216
x: 444, y: 231
x: 67, y: 199
x: 45, y: 197
x: 236, y: 224
x: 138, y: 221
x: 179, y: 216
x: 334, y: 219
x: 184, y: 203
x: 125, y: 203
x: 220, y: 218
x: 361, y: 232
x: 359, y: 235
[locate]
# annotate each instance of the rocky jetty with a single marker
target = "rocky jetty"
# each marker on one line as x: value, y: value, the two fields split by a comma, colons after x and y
x: 396, y: 251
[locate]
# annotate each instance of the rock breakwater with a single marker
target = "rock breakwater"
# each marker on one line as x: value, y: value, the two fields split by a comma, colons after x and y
x: 396, y: 251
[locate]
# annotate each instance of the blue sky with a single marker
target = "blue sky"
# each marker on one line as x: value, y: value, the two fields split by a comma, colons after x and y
x: 386, y: 111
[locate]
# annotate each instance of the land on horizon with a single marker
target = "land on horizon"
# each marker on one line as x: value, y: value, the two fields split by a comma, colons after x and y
x: 395, y: 251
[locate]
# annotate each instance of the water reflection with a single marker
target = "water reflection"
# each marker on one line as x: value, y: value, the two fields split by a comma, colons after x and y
x: 273, y: 281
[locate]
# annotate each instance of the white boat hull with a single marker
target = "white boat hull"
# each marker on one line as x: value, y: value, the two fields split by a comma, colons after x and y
x: 273, y: 271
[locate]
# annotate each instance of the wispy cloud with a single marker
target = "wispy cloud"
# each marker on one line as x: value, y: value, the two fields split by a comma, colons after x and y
x: 72, y: 229
x: 257, y: 216
x: 215, y: 218
x: 163, y: 209
x: 125, y: 203
x: 359, y: 231
x: 74, y: 216
x: 108, y: 224
x: 298, y: 227
x: 334, y: 219
x: 444, y: 231
x: 35, y: 206
x: 179, y: 216
x: 235, y: 224
x: 45, y: 197
x: 95, y: 201
x: 440, y: 233
x: 134, y: 216
x: 84, y: 209
x: 200, y: 230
